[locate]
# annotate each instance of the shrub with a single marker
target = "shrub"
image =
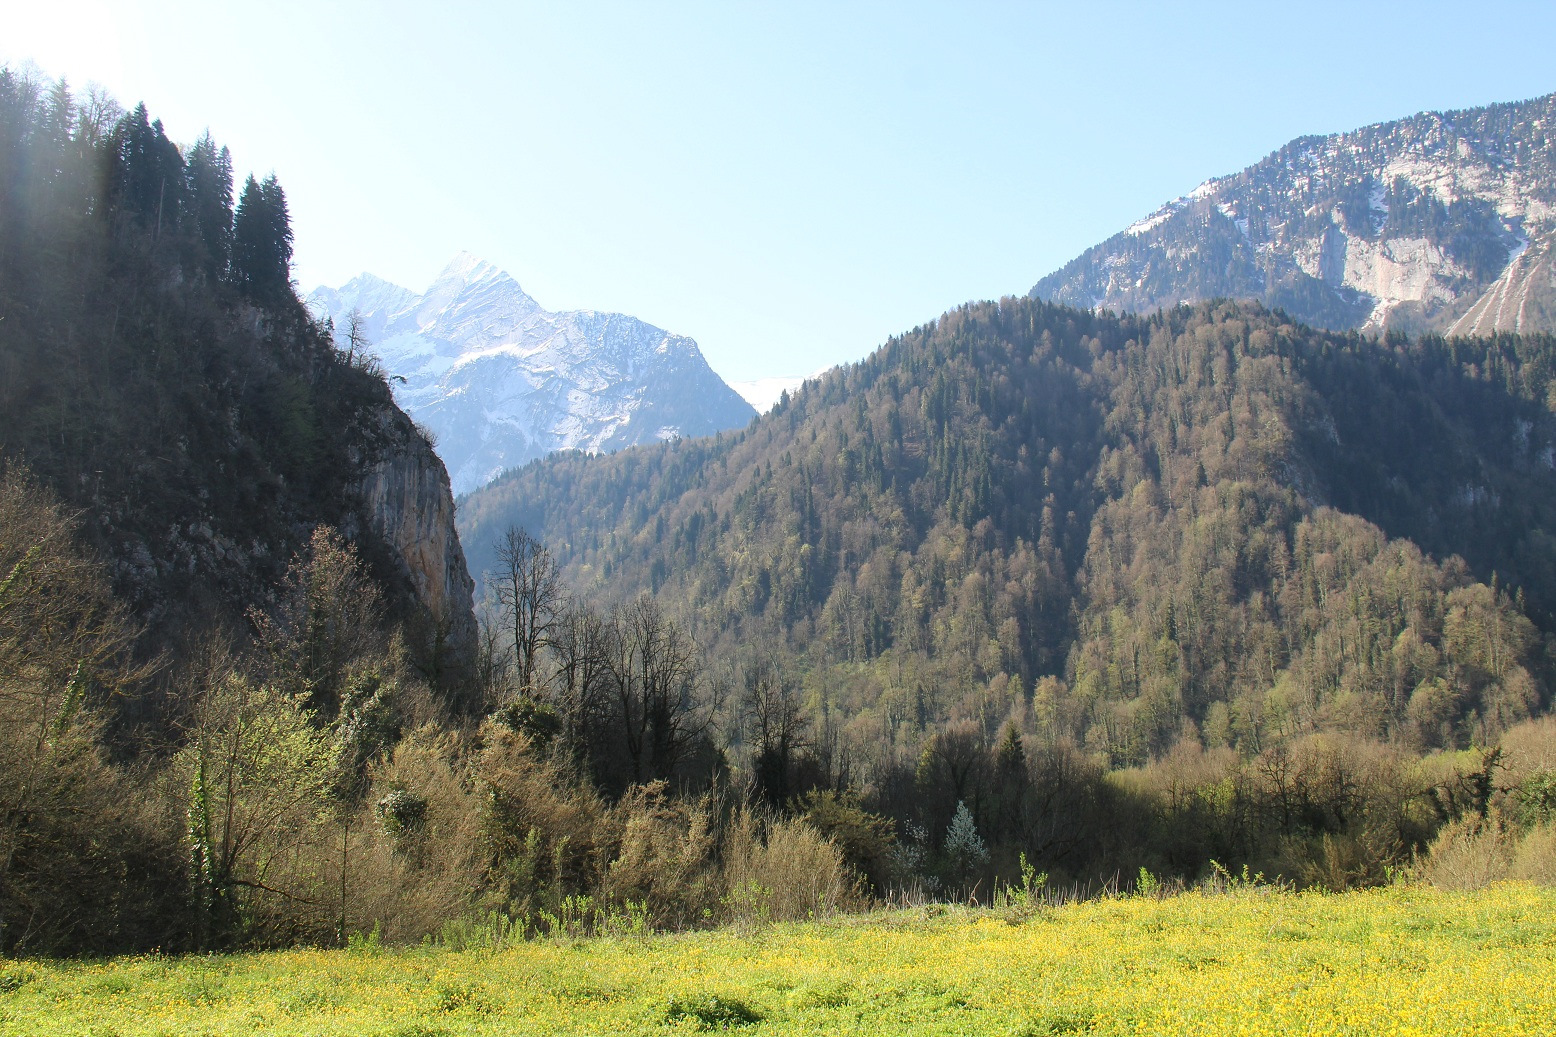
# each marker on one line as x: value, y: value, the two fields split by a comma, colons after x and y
x: 541, y: 830
x: 1469, y: 853
x: 711, y: 1011
x: 1534, y: 859
x: 661, y: 852
x: 416, y: 867
x: 400, y: 811
x: 781, y: 870
x: 865, y: 839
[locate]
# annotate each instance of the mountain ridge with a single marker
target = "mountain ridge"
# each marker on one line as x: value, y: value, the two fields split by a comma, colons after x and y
x: 1431, y: 222
x: 499, y: 380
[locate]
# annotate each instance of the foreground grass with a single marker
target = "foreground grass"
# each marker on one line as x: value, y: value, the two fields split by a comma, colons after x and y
x: 1397, y: 961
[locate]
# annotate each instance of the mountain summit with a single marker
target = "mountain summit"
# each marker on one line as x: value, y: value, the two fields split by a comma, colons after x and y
x: 1444, y: 221
x: 500, y: 381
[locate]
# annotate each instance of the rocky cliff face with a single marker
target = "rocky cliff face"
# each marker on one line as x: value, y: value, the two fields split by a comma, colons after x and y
x: 407, y: 503
x: 1442, y: 221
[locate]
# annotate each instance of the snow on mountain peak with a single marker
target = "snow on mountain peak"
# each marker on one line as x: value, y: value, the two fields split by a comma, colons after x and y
x: 501, y: 381
x: 1401, y: 225
x: 466, y: 265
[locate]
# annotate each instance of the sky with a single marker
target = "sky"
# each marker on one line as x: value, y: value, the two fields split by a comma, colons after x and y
x: 788, y: 183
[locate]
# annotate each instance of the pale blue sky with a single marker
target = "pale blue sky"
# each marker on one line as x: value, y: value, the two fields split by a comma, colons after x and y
x: 787, y: 183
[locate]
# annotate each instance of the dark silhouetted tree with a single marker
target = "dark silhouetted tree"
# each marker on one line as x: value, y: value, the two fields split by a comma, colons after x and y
x: 262, y: 241
x: 208, y: 173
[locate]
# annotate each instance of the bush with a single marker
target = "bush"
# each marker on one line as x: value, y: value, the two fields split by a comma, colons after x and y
x: 781, y: 870
x: 1470, y: 853
x: 541, y: 829
x: 865, y: 839
x: 87, y: 864
x: 421, y: 862
x: 661, y: 852
x: 711, y: 1012
x: 1534, y: 859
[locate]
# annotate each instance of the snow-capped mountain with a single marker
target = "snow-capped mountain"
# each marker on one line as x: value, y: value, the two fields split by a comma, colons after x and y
x: 499, y: 381
x: 1442, y: 221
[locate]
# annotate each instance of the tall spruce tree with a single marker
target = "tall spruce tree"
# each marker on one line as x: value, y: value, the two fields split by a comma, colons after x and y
x: 262, y: 241
x: 209, y: 178
x: 148, y: 173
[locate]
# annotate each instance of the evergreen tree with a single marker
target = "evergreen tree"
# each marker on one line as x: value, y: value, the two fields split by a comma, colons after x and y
x: 964, y: 848
x: 147, y: 178
x: 209, y: 178
x: 262, y: 241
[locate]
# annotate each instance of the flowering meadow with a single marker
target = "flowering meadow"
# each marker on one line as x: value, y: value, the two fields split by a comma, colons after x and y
x: 1397, y: 961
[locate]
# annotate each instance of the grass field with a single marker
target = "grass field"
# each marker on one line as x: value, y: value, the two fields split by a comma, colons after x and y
x: 1395, y: 961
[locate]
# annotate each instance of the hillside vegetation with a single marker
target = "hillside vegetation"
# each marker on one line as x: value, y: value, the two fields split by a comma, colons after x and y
x: 203, y: 636
x: 1025, y: 545
x: 159, y: 374
x: 1031, y: 590
x: 1212, y: 517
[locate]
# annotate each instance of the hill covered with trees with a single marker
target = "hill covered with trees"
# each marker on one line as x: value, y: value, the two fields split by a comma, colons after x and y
x: 158, y: 372
x: 211, y: 520
x: 1211, y: 525
x: 1030, y: 588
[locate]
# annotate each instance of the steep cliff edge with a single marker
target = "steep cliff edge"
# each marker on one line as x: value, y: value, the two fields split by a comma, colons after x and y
x: 408, y: 504
x: 179, y: 399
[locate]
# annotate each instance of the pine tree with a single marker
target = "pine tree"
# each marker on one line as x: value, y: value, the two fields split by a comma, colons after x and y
x: 147, y: 178
x: 133, y: 179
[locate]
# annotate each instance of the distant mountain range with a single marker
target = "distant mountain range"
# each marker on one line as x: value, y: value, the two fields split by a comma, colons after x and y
x: 499, y: 381
x: 1442, y: 222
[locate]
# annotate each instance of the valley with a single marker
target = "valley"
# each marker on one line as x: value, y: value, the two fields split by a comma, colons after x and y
x: 1169, y: 649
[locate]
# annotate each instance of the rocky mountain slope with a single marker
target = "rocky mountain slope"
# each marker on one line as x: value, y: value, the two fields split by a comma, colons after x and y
x: 1442, y: 221
x: 499, y: 381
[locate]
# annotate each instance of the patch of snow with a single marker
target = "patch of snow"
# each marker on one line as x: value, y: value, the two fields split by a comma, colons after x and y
x: 1377, y: 199
x: 1519, y: 247
x: 1151, y: 222
x: 1206, y: 189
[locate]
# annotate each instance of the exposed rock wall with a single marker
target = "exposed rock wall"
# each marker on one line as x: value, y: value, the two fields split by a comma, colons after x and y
x: 1440, y: 222
x: 408, y: 503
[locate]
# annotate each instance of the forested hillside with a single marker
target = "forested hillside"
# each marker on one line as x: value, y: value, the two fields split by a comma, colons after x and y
x: 1111, y: 529
x: 158, y: 372
x: 228, y: 571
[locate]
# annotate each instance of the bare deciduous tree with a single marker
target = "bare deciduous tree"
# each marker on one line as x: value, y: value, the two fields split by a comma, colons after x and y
x: 580, y: 648
x: 778, y: 730
x: 664, y: 702
x: 354, y: 330
x: 528, y: 588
